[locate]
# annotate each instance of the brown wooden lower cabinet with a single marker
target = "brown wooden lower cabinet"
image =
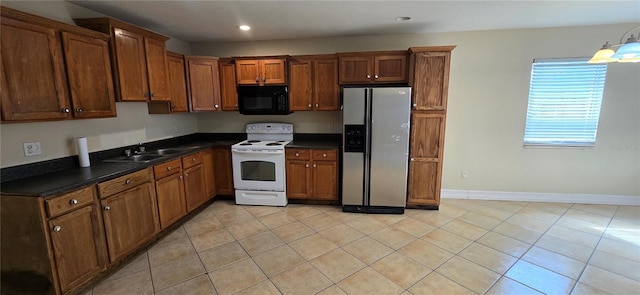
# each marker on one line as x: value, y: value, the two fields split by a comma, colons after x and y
x: 209, y: 172
x: 195, y: 191
x: 130, y: 219
x: 425, y: 158
x: 51, y: 245
x: 312, y: 174
x: 223, y: 171
x: 170, y: 193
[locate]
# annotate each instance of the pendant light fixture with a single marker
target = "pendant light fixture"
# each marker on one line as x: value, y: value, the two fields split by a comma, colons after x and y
x: 626, y: 52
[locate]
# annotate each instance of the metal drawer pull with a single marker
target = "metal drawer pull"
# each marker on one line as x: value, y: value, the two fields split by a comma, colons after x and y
x: 66, y: 110
x: 306, y: 165
x: 216, y: 106
x: 79, y: 110
x: 193, y: 159
x: 169, y: 168
x: 376, y: 76
x: 186, y: 175
x: 128, y: 181
x: 317, y: 105
x: 297, y: 154
x: 368, y: 76
x: 415, y: 105
x: 309, y: 105
x: 314, y: 166
x: 324, y: 155
x: 412, y: 159
x: 57, y: 228
x: 107, y: 208
x: 73, y: 202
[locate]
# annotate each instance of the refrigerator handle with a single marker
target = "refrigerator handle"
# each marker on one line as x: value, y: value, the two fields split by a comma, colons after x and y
x: 367, y: 147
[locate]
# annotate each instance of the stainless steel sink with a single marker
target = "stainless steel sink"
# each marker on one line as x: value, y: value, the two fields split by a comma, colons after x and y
x: 168, y: 151
x: 136, y: 158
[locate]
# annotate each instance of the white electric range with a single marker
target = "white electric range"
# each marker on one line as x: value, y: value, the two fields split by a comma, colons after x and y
x: 259, y: 164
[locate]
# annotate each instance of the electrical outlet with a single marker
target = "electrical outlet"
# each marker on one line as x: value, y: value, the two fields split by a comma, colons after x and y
x: 32, y: 149
x: 464, y: 174
x: 177, y: 127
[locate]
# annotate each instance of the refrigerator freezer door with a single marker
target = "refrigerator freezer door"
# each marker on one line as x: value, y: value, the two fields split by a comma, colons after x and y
x: 389, y: 146
x: 353, y: 162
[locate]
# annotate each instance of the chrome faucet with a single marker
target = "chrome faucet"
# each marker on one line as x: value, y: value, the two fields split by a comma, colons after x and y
x: 141, y: 149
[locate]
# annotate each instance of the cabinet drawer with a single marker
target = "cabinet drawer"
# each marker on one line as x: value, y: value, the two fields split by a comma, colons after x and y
x: 191, y: 160
x: 70, y: 201
x: 122, y: 183
x: 166, y: 169
x: 298, y: 154
x: 325, y: 155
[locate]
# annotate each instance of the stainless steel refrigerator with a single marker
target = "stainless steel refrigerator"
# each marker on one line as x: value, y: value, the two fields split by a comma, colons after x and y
x: 375, y: 149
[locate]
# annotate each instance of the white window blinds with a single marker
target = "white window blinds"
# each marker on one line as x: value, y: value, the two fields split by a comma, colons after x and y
x: 564, y: 102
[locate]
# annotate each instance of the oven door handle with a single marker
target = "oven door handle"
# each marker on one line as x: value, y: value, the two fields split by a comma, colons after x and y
x: 271, y: 152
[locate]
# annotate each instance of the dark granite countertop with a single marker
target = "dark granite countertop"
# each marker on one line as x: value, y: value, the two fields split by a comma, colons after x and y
x: 58, y: 176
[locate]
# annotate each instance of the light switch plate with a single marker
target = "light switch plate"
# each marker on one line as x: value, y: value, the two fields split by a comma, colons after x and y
x: 32, y: 149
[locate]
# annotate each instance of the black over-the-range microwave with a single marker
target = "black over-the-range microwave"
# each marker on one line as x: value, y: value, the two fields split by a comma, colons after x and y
x: 263, y: 100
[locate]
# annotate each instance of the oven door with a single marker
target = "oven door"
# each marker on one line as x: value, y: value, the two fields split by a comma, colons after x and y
x: 258, y: 170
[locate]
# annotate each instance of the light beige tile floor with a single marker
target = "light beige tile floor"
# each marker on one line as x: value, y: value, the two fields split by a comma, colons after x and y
x: 466, y: 247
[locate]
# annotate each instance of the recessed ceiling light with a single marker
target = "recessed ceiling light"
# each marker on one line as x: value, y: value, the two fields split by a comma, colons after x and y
x: 244, y: 27
x: 403, y: 18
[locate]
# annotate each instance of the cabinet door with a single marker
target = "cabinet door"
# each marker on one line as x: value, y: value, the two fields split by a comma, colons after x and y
x: 223, y: 171
x: 131, y: 66
x: 425, y: 166
x: 136, y: 206
x: 32, y: 67
x: 273, y: 71
x: 195, y: 191
x: 427, y: 135
x: 390, y: 68
x: 247, y: 72
x: 326, y: 90
x: 78, y: 246
x: 424, y: 182
x: 204, y: 84
x: 178, y: 83
x: 157, y: 71
x: 228, y: 89
x: 171, y: 199
x: 325, y: 180
x: 430, y: 80
x: 300, y: 85
x: 299, y: 179
x: 209, y: 173
x: 89, y: 76
x: 355, y: 69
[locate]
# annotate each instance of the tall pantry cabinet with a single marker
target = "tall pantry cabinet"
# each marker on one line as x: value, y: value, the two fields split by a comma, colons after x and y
x: 429, y: 79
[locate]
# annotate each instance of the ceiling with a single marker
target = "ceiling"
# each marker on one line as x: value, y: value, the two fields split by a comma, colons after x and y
x: 203, y: 21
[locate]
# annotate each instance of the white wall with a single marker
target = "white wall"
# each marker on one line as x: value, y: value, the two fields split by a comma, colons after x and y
x: 488, y: 90
x: 132, y: 125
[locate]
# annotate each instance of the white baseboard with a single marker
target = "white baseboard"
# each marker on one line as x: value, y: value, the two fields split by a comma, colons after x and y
x: 541, y: 197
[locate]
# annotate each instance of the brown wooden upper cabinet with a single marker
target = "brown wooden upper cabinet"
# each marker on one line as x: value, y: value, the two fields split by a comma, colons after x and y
x: 429, y: 77
x: 373, y: 67
x: 313, y: 83
x: 228, y: 89
x: 139, y: 59
x: 53, y: 70
x: 204, y: 83
x: 265, y: 71
x: 177, y: 100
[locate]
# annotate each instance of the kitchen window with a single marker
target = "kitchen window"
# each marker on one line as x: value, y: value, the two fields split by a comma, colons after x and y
x: 565, y: 96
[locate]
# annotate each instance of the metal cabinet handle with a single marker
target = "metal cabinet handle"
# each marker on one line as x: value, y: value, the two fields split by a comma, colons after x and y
x: 180, y: 177
x: 257, y: 79
x: 128, y: 181
x: 376, y: 76
x: 412, y: 159
x: 317, y: 105
x: 153, y: 94
x: 216, y: 106
x: 193, y: 159
x: 65, y: 110
x: 79, y: 110
x: 73, y: 202
x: 368, y: 76
x: 415, y: 105
x: 297, y: 154
x: 146, y: 94
x: 169, y: 168
x: 306, y: 165
x: 186, y: 175
x: 264, y: 79
x: 309, y: 105
x: 324, y: 155
x: 57, y: 228
x: 107, y: 208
